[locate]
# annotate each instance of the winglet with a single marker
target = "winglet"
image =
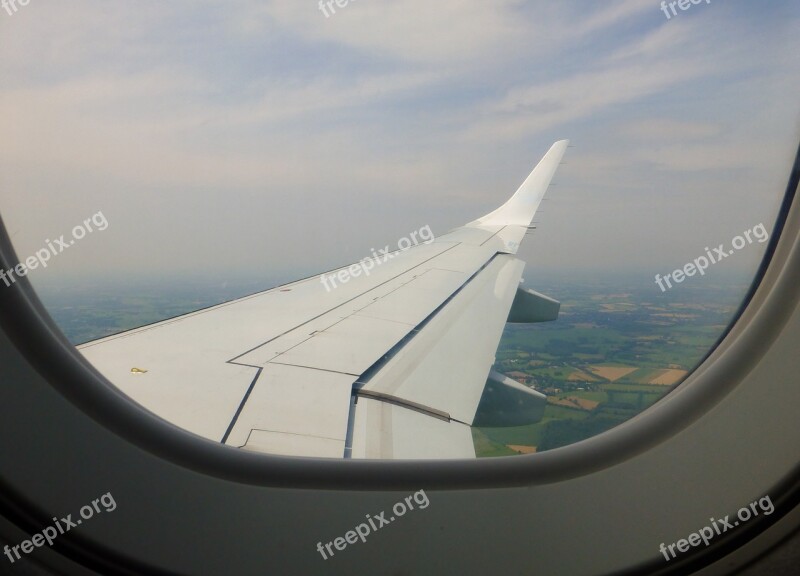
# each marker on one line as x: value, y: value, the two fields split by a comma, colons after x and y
x: 521, y: 207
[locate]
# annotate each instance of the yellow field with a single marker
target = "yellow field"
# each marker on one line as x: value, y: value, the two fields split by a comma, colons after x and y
x: 611, y: 373
x: 668, y: 377
x: 581, y: 376
x: 522, y: 449
x: 572, y: 402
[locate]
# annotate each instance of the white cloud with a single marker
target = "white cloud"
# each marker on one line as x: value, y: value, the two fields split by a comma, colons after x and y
x: 167, y: 116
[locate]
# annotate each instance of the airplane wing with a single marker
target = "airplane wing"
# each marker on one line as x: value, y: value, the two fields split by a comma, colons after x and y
x: 387, y: 358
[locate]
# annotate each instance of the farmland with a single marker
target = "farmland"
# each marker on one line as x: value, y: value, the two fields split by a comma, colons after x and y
x: 612, y: 353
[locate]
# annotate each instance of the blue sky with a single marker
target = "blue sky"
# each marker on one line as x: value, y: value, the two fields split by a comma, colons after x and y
x: 263, y: 137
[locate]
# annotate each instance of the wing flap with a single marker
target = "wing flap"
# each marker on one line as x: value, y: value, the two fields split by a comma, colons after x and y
x: 445, y: 365
x: 295, y: 411
x: 384, y: 430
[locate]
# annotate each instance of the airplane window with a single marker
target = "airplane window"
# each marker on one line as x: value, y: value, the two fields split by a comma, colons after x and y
x: 395, y: 230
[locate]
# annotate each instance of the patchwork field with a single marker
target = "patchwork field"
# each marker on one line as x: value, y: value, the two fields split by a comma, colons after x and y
x: 611, y: 354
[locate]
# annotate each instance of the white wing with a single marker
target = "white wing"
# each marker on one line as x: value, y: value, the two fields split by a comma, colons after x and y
x: 390, y: 364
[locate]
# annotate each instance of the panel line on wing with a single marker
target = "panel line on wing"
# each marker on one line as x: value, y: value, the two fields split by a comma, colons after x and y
x: 286, y: 433
x: 320, y: 315
x: 490, y: 238
x: 312, y: 368
x: 241, y: 406
x: 367, y: 375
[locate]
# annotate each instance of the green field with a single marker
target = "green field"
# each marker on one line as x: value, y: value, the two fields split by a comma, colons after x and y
x: 593, y: 395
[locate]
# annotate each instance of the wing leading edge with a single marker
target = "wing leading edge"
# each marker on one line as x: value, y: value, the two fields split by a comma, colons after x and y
x: 392, y: 364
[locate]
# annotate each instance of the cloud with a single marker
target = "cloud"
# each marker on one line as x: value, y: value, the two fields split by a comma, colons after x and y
x: 670, y: 129
x: 460, y: 34
x: 535, y: 109
x: 249, y: 117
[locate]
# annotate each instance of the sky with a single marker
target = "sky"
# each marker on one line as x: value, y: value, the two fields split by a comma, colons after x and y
x: 262, y: 138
